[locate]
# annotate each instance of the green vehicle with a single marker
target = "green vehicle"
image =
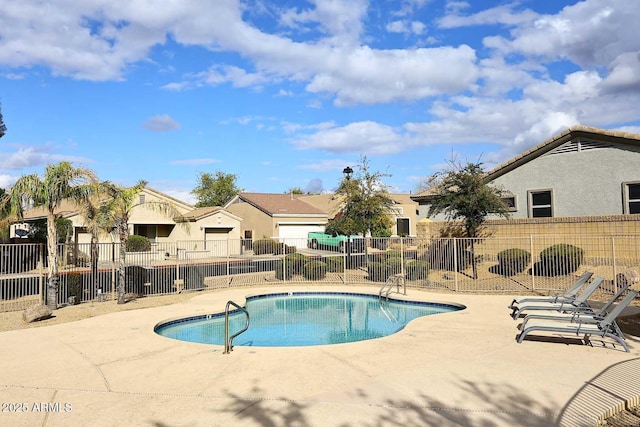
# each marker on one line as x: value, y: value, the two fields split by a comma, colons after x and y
x: 335, y: 242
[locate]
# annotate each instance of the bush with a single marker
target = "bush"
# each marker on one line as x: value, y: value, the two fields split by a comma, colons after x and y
x: 394, y: 266
x: 280, y: 272
x: 314, y: 270
x: 417, y: 270
x: 513, y: 261
x: 393, y: 253
x: 335, y: 264
x: 135, y: 278
x: 377, y: 271
x: 265, y: 246
x: 74, y: 287
x: 137, y: 243
x: 561, y: 259
x: 295, y: 262
x: 441, y: 255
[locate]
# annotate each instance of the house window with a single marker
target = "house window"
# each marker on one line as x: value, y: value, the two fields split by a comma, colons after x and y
x: 632, y: 197
x: 142, y: 198
x: 540, y: 204
x: 510, y: 202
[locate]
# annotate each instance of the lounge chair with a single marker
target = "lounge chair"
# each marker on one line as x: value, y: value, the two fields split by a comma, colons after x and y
x: 579, y: 315
x: 605, y: 328
x: 577, y: 304
x: 569, y: 295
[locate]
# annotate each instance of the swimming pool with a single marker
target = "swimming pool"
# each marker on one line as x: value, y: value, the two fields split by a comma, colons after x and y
x: 305, y: 319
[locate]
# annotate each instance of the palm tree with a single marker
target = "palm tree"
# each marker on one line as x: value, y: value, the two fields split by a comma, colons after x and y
x: 122, y: 201
x: 60, y: 182
x: 94, y: 211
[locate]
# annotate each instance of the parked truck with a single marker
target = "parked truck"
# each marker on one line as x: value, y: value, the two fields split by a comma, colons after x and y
x: 336, y: 242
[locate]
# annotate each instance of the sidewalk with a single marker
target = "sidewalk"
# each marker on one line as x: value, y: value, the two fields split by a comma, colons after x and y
x: 456, y: 369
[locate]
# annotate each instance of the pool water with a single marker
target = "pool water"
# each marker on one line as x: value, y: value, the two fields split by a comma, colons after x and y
x: 305, y: 319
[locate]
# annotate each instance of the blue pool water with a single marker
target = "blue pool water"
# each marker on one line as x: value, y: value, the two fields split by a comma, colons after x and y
x: 304, y: 319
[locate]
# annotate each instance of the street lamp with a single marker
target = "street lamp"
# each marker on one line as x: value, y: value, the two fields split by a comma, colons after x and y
x: 347, y: 172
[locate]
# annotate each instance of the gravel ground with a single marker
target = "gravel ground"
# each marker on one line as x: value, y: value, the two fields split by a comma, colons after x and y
x: 12, y: 320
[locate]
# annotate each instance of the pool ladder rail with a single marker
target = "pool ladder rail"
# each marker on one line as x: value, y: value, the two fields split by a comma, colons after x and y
x: 228, y: 340
x: 387, y: 287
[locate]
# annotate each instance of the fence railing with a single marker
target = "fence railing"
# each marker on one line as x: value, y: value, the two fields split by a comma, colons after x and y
x: 535, y: 264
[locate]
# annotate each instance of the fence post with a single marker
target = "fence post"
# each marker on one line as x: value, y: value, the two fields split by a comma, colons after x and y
x: 455, y: 263
x: 344, y: 270
x: 613, y: 256
x: 533, y: 264
x: 41, y: 279
x: 402, y: 256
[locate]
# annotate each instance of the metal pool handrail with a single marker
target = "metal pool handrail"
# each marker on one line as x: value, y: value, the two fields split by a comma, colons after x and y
x: 228, y: 340
x: 397, y: 280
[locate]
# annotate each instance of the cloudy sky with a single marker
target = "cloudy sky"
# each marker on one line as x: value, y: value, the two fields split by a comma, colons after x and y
x: 286, y: 93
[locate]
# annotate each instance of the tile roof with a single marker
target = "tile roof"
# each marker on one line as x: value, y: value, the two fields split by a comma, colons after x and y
x: 280, y: 204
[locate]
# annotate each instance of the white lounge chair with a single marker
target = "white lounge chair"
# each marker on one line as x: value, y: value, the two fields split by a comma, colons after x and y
x: 605, y: 328
x: 577, y: 304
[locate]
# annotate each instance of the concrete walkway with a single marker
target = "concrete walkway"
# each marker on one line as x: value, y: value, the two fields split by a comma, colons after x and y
x: 455, y: 369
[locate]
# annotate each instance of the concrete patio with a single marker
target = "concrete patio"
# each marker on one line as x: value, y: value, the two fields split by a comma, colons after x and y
x: 456, y: 369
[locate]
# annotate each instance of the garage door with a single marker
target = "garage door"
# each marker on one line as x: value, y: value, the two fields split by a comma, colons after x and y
x: 296, y: 234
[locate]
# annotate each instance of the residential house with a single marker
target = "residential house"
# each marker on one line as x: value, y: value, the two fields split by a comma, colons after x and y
x: 201, y: 224
x: 404, y: 211
x: 285, y: 217
x: 582, y: 171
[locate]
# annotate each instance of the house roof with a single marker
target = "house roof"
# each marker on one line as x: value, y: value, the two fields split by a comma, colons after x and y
x: 559, y: 139
x: 200, y: 213
x: 68, y: 208
x: 331, y: 203
x: 555, y: 141
x: 275, y: 204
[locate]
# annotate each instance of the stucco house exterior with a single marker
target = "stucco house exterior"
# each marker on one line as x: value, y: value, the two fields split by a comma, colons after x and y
x: 582, y: 171
x: 201, y: 224
x: 285, y: 217
x: 404, y: 211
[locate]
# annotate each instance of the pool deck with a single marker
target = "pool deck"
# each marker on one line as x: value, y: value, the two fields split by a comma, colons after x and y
x: 455, y: 369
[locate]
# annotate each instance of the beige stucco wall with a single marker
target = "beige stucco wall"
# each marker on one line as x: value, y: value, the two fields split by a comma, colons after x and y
x: 599, y: 236
x: 253, y: 219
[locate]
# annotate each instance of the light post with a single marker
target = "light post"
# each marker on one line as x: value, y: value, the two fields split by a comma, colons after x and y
x: 347, y: 175
x: 347, y: 172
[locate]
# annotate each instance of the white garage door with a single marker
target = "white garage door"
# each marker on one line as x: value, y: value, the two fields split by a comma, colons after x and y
x: 296, y: 234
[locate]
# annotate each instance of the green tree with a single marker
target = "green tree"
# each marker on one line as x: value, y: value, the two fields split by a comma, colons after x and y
x: 4, y: 216
x: 365, y: 204
x: 295, y: 190
x: 3, y: 128
x: 462, y: 193
x: 215, y: 190
x: 95, y: 213
x: 60, y: 182
x: 122, y: 201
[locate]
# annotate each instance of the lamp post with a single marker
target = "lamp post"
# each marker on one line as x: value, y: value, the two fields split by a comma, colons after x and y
x: 347, y: 175
x: 347, y: 172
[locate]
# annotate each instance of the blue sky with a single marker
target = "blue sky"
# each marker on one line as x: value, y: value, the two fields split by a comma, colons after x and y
x: 287, y: 93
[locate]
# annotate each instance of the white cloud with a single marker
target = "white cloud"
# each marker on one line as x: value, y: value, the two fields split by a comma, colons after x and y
x: 161, y: 123
x: 7, y: 181
x: 589, y: 33
x: 28, y: 157
x: 502, y: 15
x: 359, y: 137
